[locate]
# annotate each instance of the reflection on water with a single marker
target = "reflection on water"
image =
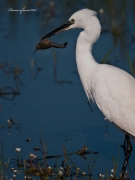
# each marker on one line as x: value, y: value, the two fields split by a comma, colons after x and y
x: 34, y: 66
x: 51, y: 97
x: 8, y: 92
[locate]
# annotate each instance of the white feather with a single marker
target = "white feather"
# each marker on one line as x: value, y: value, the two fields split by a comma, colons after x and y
x: 112, y: 88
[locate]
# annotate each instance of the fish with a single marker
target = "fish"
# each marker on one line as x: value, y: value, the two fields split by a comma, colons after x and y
x: 47, y: 43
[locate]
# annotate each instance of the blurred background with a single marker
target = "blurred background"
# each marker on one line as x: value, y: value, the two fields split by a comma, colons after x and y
x: 41, y: 94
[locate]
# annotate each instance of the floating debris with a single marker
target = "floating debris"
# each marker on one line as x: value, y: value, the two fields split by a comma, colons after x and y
x: 10, y: 122
x: 18, y: 149
x: 60, y: 173
x: 12, y: 169
x: 84, y: 148
x: 68, y: 139
x: 60, y: 81
x: 37, y: 148
x: 47, y: 43
x: 32, y: 156
x: 83, y: 151
x: 28, y: 140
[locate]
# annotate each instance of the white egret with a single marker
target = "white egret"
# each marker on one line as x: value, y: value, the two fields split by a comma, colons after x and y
x: 111, y: 88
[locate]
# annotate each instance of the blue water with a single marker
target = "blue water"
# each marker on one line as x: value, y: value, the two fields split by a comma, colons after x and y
x: 59, y: 110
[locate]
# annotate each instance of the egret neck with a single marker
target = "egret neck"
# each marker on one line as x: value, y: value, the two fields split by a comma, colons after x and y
x: 86, y: 63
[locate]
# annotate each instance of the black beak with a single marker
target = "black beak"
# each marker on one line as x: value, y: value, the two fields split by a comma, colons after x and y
x: 59, y: 29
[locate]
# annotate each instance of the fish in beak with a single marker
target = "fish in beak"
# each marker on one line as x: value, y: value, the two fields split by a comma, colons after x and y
x: 47, y: 43
x: 59, y: 29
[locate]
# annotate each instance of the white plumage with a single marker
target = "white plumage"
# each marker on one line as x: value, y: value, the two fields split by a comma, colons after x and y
x: 111, y: 88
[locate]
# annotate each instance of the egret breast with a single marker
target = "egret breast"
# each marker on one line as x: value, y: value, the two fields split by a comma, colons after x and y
x: 114, y: 92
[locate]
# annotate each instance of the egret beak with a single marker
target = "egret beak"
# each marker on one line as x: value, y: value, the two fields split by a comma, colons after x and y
x: 59, y: 29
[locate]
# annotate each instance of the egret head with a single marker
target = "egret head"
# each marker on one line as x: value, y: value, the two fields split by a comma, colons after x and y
x: 82, y: 18
x: 85, y: 19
